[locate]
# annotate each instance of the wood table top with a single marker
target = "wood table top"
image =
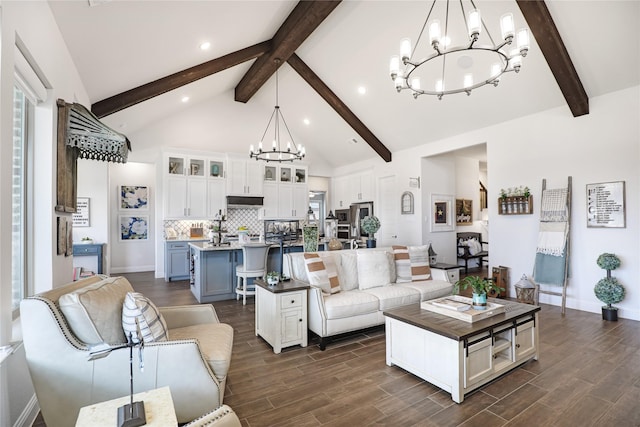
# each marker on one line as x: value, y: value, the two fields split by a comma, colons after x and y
x: 460, y: 330
x: 286, y: 286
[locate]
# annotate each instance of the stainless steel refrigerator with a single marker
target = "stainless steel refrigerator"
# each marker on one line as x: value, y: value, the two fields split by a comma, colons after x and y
x: 357, y: 212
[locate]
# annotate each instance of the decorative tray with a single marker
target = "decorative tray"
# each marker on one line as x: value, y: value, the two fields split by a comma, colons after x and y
x: 460, y: 308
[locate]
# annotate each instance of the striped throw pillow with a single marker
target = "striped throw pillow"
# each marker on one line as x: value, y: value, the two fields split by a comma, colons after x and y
x: 403, y: 264
x: 419, y: 257
x: 139, y: 312
x: 322, y: 272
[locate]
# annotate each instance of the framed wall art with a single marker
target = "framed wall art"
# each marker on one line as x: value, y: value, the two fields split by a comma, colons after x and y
x: 606, y: 205
x: 134, y: 197
x: 464, y: 212
x: 134, y: 228
x: 406, y: 203
x: 441, y: 213
x: 81, y: 217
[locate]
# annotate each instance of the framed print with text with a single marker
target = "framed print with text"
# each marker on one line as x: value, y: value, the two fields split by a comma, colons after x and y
x: 606, y: 205
x: 464, y: 215
x: 441, y: 213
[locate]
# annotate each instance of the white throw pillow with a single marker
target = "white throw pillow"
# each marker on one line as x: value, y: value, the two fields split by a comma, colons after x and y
x: 419, y: 257
x: 403, y: 264
x: 474, y: 246
x: 138, y: 312
x: 347, y: 270
x: 374, y: 268
x: 322, y: 272
x: 94, y: 312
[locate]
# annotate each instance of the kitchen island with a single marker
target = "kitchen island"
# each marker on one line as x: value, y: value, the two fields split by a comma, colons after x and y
x: 213, y: 267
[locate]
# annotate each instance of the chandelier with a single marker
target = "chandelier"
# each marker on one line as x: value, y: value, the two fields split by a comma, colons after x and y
x: 455, y: 69
x: 276, y: 154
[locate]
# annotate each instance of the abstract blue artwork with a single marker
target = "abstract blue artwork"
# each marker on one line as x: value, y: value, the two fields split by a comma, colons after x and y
x: 134, y: 197
x: 134, y: 227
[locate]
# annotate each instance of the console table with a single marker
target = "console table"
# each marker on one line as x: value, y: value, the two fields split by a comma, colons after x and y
x: 93, y: 249
x: 459, y: 356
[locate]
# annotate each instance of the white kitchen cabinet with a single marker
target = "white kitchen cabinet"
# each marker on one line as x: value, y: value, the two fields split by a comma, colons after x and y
x: 285, y: 191
x: 271, y: 201
x: 361, y: 187
x: 244, y: 177
x: 285, y: 201
x: 193, y: 186
x: 353, y: 188
x: 185, y: 197
x: 340, y: 197
x: 216, y: 197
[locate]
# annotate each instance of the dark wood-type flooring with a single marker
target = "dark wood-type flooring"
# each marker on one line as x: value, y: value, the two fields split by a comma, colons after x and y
x: 588, y: 374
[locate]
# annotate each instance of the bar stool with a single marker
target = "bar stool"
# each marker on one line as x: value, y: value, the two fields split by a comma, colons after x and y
x: 254, y: 265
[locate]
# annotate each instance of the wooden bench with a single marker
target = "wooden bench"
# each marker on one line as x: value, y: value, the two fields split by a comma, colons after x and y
x: 465, y: 254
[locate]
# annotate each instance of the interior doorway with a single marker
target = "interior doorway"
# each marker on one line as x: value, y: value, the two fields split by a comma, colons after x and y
x: 317, y: 204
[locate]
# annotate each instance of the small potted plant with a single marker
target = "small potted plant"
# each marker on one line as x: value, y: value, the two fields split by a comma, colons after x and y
x: 608, y: 289
x: 273, y: 277
x: 480, y: 287
x: 87, y: 240
x: 370, y: 225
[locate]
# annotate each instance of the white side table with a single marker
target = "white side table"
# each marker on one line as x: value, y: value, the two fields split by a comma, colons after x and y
x: 452, y: 270
x: 158, y: 409
x: 281, y: 313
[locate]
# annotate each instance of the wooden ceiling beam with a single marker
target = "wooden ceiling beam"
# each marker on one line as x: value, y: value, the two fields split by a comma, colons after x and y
x: 548, y: 38
x: 165, y: 84
x: 301, y: 22
x: 332, y: 99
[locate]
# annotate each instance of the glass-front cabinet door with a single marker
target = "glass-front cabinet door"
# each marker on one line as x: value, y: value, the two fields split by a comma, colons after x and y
x: 301, y: 176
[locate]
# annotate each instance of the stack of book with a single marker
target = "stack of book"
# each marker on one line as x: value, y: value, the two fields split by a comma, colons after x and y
x: 81, y: 273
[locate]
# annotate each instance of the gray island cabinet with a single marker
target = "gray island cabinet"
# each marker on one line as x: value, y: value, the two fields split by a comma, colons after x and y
x: 214, y: 272
x: 213, y: 268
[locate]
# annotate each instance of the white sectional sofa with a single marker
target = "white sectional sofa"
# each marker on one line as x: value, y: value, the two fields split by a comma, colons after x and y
x: 370, y: 282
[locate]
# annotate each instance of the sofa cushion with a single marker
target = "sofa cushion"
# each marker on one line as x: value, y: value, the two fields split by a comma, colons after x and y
x: 419, y: 258
x: 403, y: 264
x: 215, y: 341
x: 138, y: 312
x: 347, y: 270
x: 322, y: 272
x: 374, y: 269
x: 429, y: 289
x: 94, y: 312
x: 350, y: 303
x: 394, y: 296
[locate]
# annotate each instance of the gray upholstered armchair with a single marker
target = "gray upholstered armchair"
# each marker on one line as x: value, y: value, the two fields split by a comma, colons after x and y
x: 194, y: 361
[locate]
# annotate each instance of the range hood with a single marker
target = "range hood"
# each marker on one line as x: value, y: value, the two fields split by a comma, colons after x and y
x: 244, y: 202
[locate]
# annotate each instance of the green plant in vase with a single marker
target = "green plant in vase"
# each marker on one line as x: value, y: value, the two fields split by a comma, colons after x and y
x: 608, y: 289
x: 480, y: 287
x: 273, y: 277
x: 370, y: 225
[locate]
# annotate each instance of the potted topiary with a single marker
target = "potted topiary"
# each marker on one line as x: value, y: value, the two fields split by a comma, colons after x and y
x: 273, y: 277
x: 370, y: 224
x: 608, y: 289
x: 480, y: 287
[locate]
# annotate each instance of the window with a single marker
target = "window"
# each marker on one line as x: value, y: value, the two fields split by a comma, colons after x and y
x: 23, y: 110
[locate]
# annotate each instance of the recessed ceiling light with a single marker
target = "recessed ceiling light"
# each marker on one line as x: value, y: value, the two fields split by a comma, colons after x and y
x: 306, y: 122
x: 205, y: 45
x: 362, y: 90
x: 185, y: 99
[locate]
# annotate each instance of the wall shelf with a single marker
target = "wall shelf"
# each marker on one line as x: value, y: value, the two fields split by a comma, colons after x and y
x: 515, y: 205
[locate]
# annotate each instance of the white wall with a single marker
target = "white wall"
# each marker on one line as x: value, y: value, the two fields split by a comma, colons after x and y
x: 132, y: 256
x: 33, y: 22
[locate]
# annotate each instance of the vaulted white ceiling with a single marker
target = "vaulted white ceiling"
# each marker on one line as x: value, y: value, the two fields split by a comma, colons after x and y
x: 120, y: 45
